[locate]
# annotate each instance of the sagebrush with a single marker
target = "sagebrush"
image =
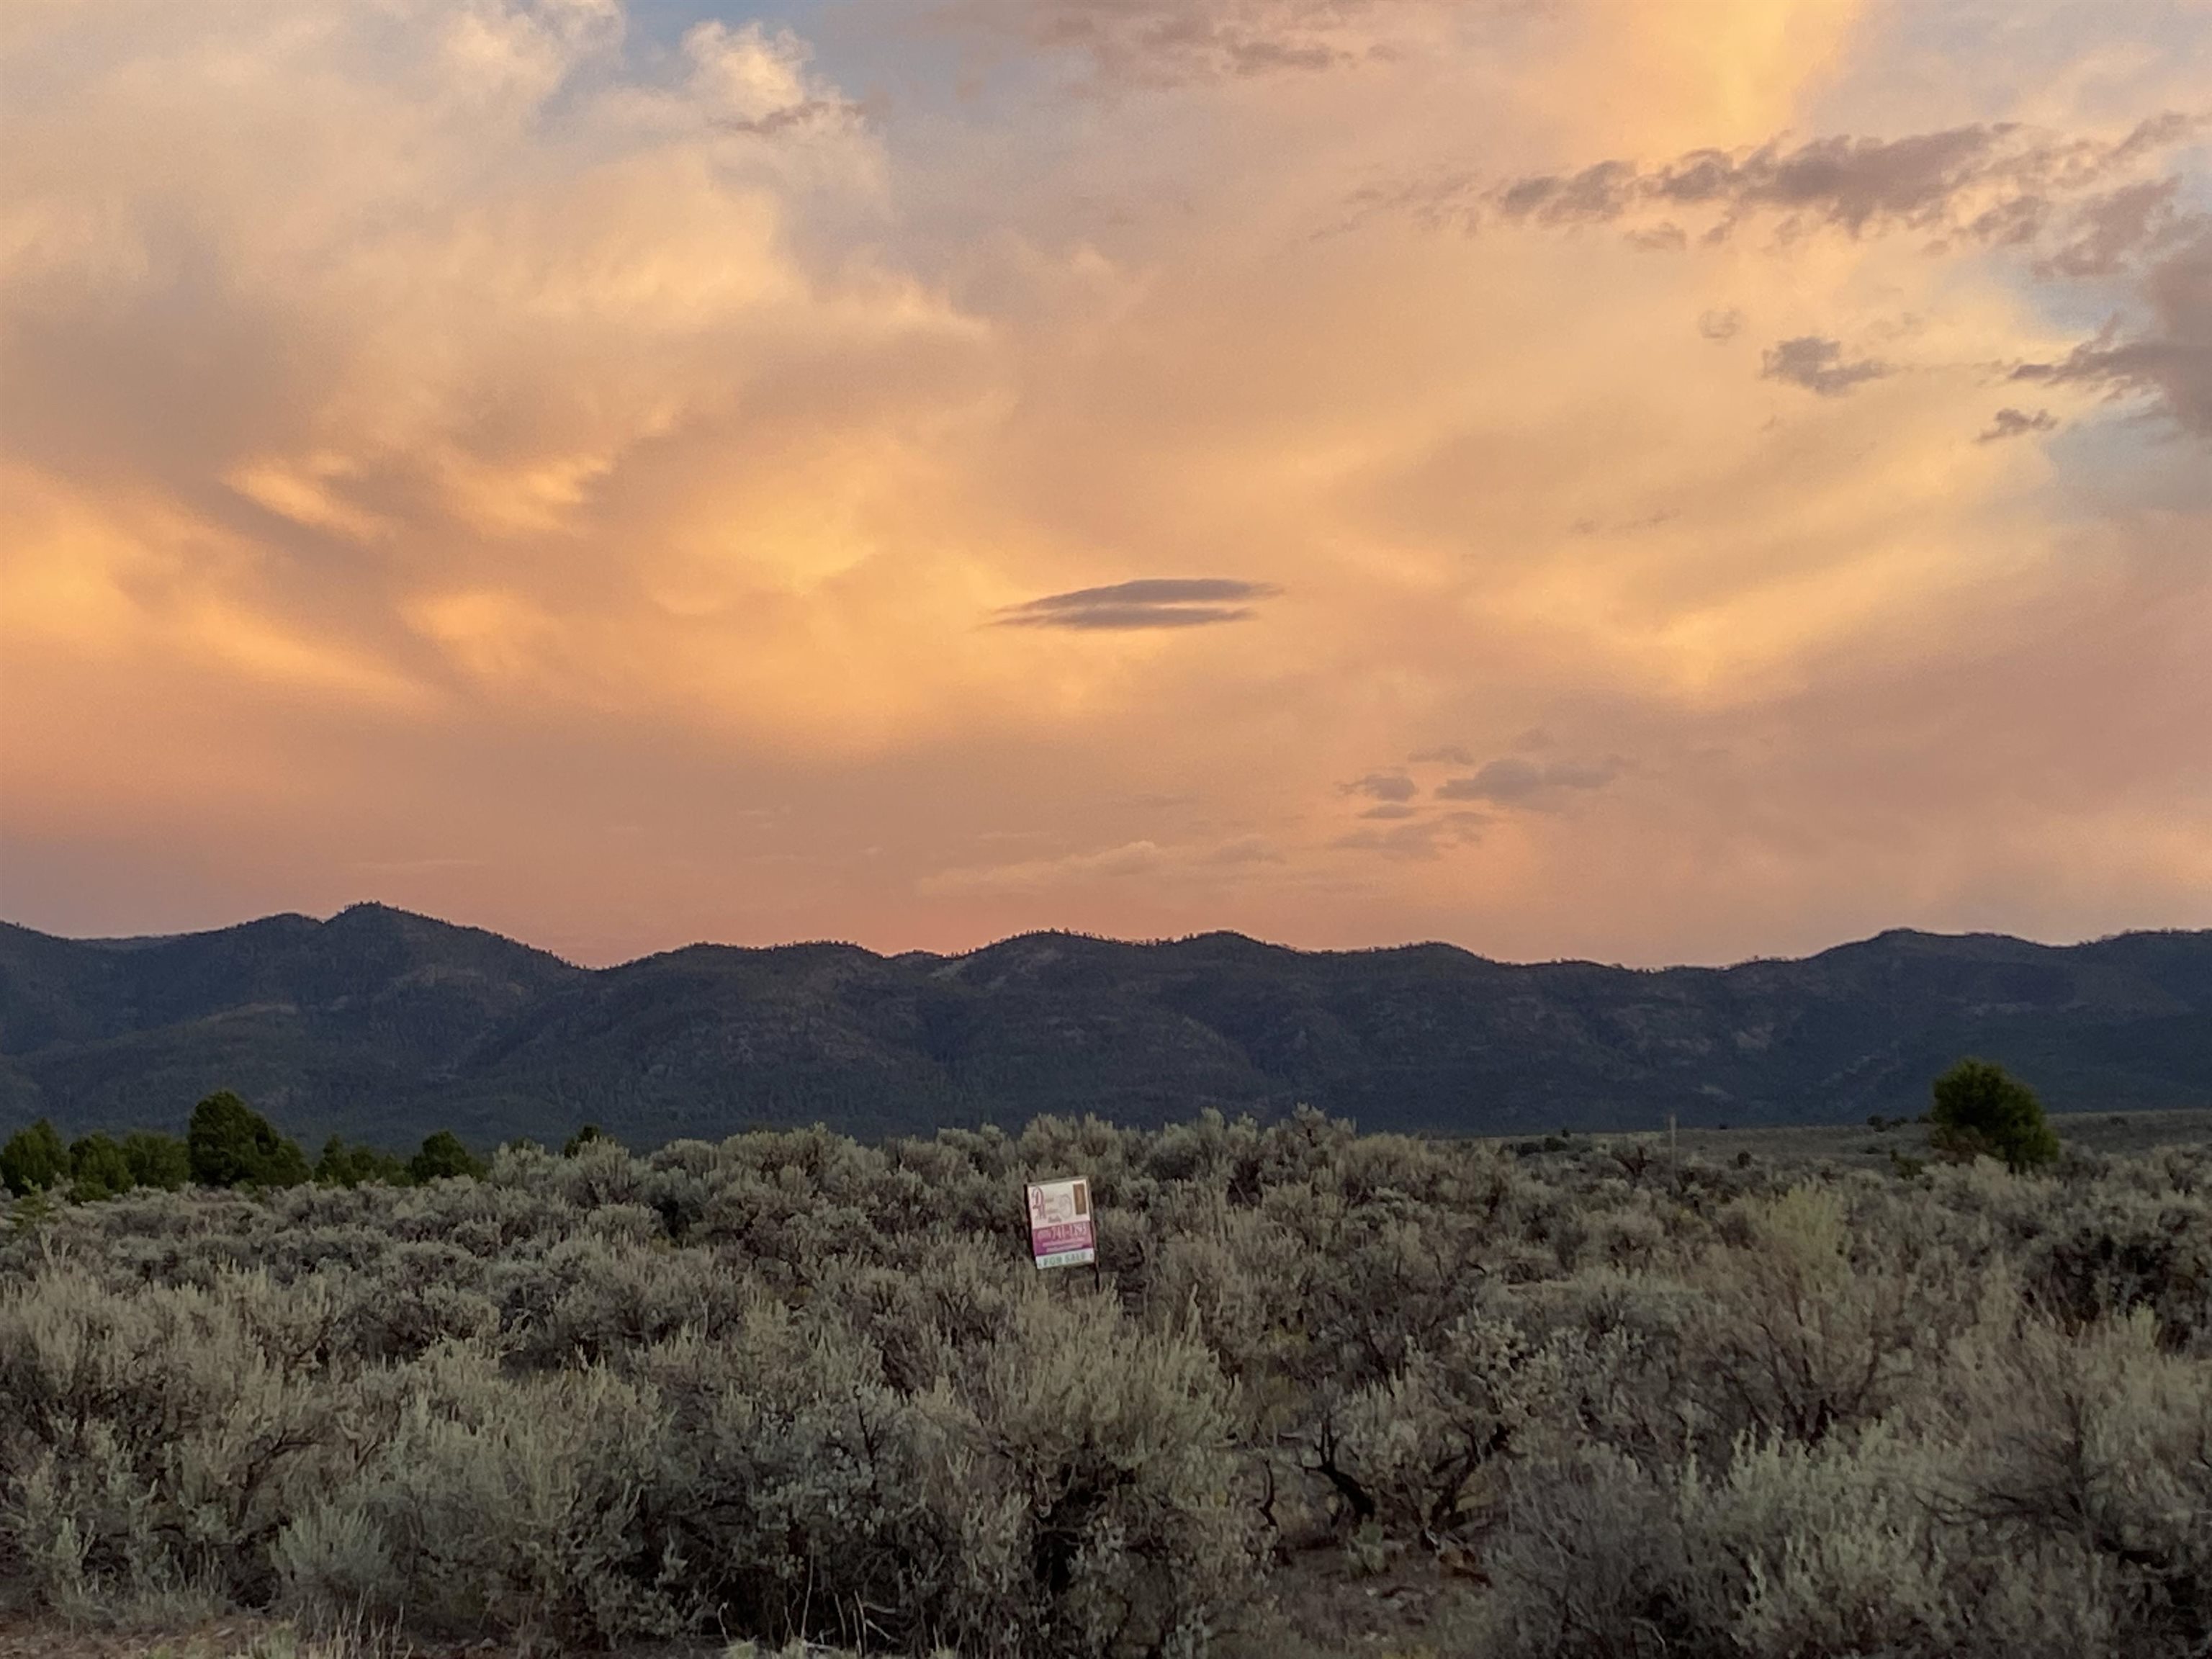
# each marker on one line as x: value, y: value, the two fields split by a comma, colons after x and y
x: 791, y: 1386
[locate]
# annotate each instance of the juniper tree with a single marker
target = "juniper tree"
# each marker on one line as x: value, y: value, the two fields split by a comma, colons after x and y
x: 99, y: 1168
x: 442, y: 1155
x: 156, y: 1159
x: 34, y: 1159
x: 231, y: 1145
x: 1982, y: 1109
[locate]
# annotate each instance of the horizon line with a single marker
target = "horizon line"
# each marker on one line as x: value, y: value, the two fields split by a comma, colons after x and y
x: 151, y: 939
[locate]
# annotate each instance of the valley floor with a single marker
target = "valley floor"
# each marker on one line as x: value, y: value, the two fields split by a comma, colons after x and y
x: 1862, y: 1145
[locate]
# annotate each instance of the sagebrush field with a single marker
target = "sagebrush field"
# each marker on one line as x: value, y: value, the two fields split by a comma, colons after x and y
x: 1532, y: 1398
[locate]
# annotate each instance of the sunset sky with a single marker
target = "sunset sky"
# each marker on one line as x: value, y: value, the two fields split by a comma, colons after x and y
x: 1651, y: 482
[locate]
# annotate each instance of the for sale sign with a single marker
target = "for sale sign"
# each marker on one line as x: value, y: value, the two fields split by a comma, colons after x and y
x: 1060, y: 1224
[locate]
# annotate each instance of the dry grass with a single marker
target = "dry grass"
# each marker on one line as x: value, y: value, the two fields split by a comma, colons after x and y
x: 224, y: 1639
x: 273, y: 1638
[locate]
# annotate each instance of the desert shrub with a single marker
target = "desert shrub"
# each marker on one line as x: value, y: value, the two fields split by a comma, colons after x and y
x: 2130, y: 1251
x: 1098, y: 1502
x: 930, y: 1322
x: 797, y: 1484
x: 2098, y: 1447
x: 1593, y: 1564
x: 1787, y: 1550
x: 1806, y: 1326
x: 491, y: 1501
x: 1424, y: 1450
x: 156, y: 1438
x: 786, y: 1388
x: 594, y: 1172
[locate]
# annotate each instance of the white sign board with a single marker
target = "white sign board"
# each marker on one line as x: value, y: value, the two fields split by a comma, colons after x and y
x: 1060, y: 1224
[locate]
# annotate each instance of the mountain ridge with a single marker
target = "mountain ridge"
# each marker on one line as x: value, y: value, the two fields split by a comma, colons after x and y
x: 382, y: 1024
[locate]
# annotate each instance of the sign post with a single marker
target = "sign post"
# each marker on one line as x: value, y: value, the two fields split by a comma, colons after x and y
x: 1060, y: 1234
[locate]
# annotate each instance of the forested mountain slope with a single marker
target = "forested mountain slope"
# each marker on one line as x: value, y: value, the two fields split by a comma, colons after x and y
x: 382, y: 1025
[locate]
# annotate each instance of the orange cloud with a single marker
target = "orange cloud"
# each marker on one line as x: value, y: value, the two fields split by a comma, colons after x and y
x: 522, y: 462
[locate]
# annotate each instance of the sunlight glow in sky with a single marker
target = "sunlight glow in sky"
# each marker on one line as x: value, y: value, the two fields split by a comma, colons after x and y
x: 1649, y: 481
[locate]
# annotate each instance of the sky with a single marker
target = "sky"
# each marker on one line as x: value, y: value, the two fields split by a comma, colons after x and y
x: 1650, y: 481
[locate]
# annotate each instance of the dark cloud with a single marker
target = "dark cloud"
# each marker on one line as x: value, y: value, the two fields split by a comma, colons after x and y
x: 1847, y: 182
x: 1991, y: 184
x: 2170, y: 360
x: 1382, y: 786
x: 1154, y: 602
x: 1995, y: 182
x: 1602, y: 192
x: 1179, y: 42
x: 1721, y: 324
x: 1390, y: 811
x: 1511, y: 780
x: 1817, y: 365
x: 2108, y: 231
x: 1450, y: 755
x: 1986, y: 184
x: 1665, y: 237
x: 2017, y: 423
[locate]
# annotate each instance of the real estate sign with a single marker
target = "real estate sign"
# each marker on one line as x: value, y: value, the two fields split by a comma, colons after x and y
x: 1060, y: 1224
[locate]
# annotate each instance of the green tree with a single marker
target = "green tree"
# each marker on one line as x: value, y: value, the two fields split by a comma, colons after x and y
x: 583, y: 1138
x: 98, y: 1169
x: 156, y: 1159
x: 231, y: 1145
x: 34, y: 1159
x: 444, y: 1155
x: 342, y: 1165
x: 1982, y: 1109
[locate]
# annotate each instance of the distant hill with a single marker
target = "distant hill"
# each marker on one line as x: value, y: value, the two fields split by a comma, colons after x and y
x: 383, y: 1025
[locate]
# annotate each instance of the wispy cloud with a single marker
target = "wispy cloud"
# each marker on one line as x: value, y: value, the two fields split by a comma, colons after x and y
x: 1170, y: 43
x: 1148, y: 861
x: 2000, y: 182
x: 1511, y: 780
x: 1421, y: 839
x: 1153, y: 602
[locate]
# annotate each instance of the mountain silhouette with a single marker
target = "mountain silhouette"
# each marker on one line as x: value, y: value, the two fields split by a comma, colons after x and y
x: 383, y: 1026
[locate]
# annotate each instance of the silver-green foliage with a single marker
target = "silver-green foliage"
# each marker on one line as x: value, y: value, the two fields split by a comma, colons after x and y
x: 792, y: 1387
